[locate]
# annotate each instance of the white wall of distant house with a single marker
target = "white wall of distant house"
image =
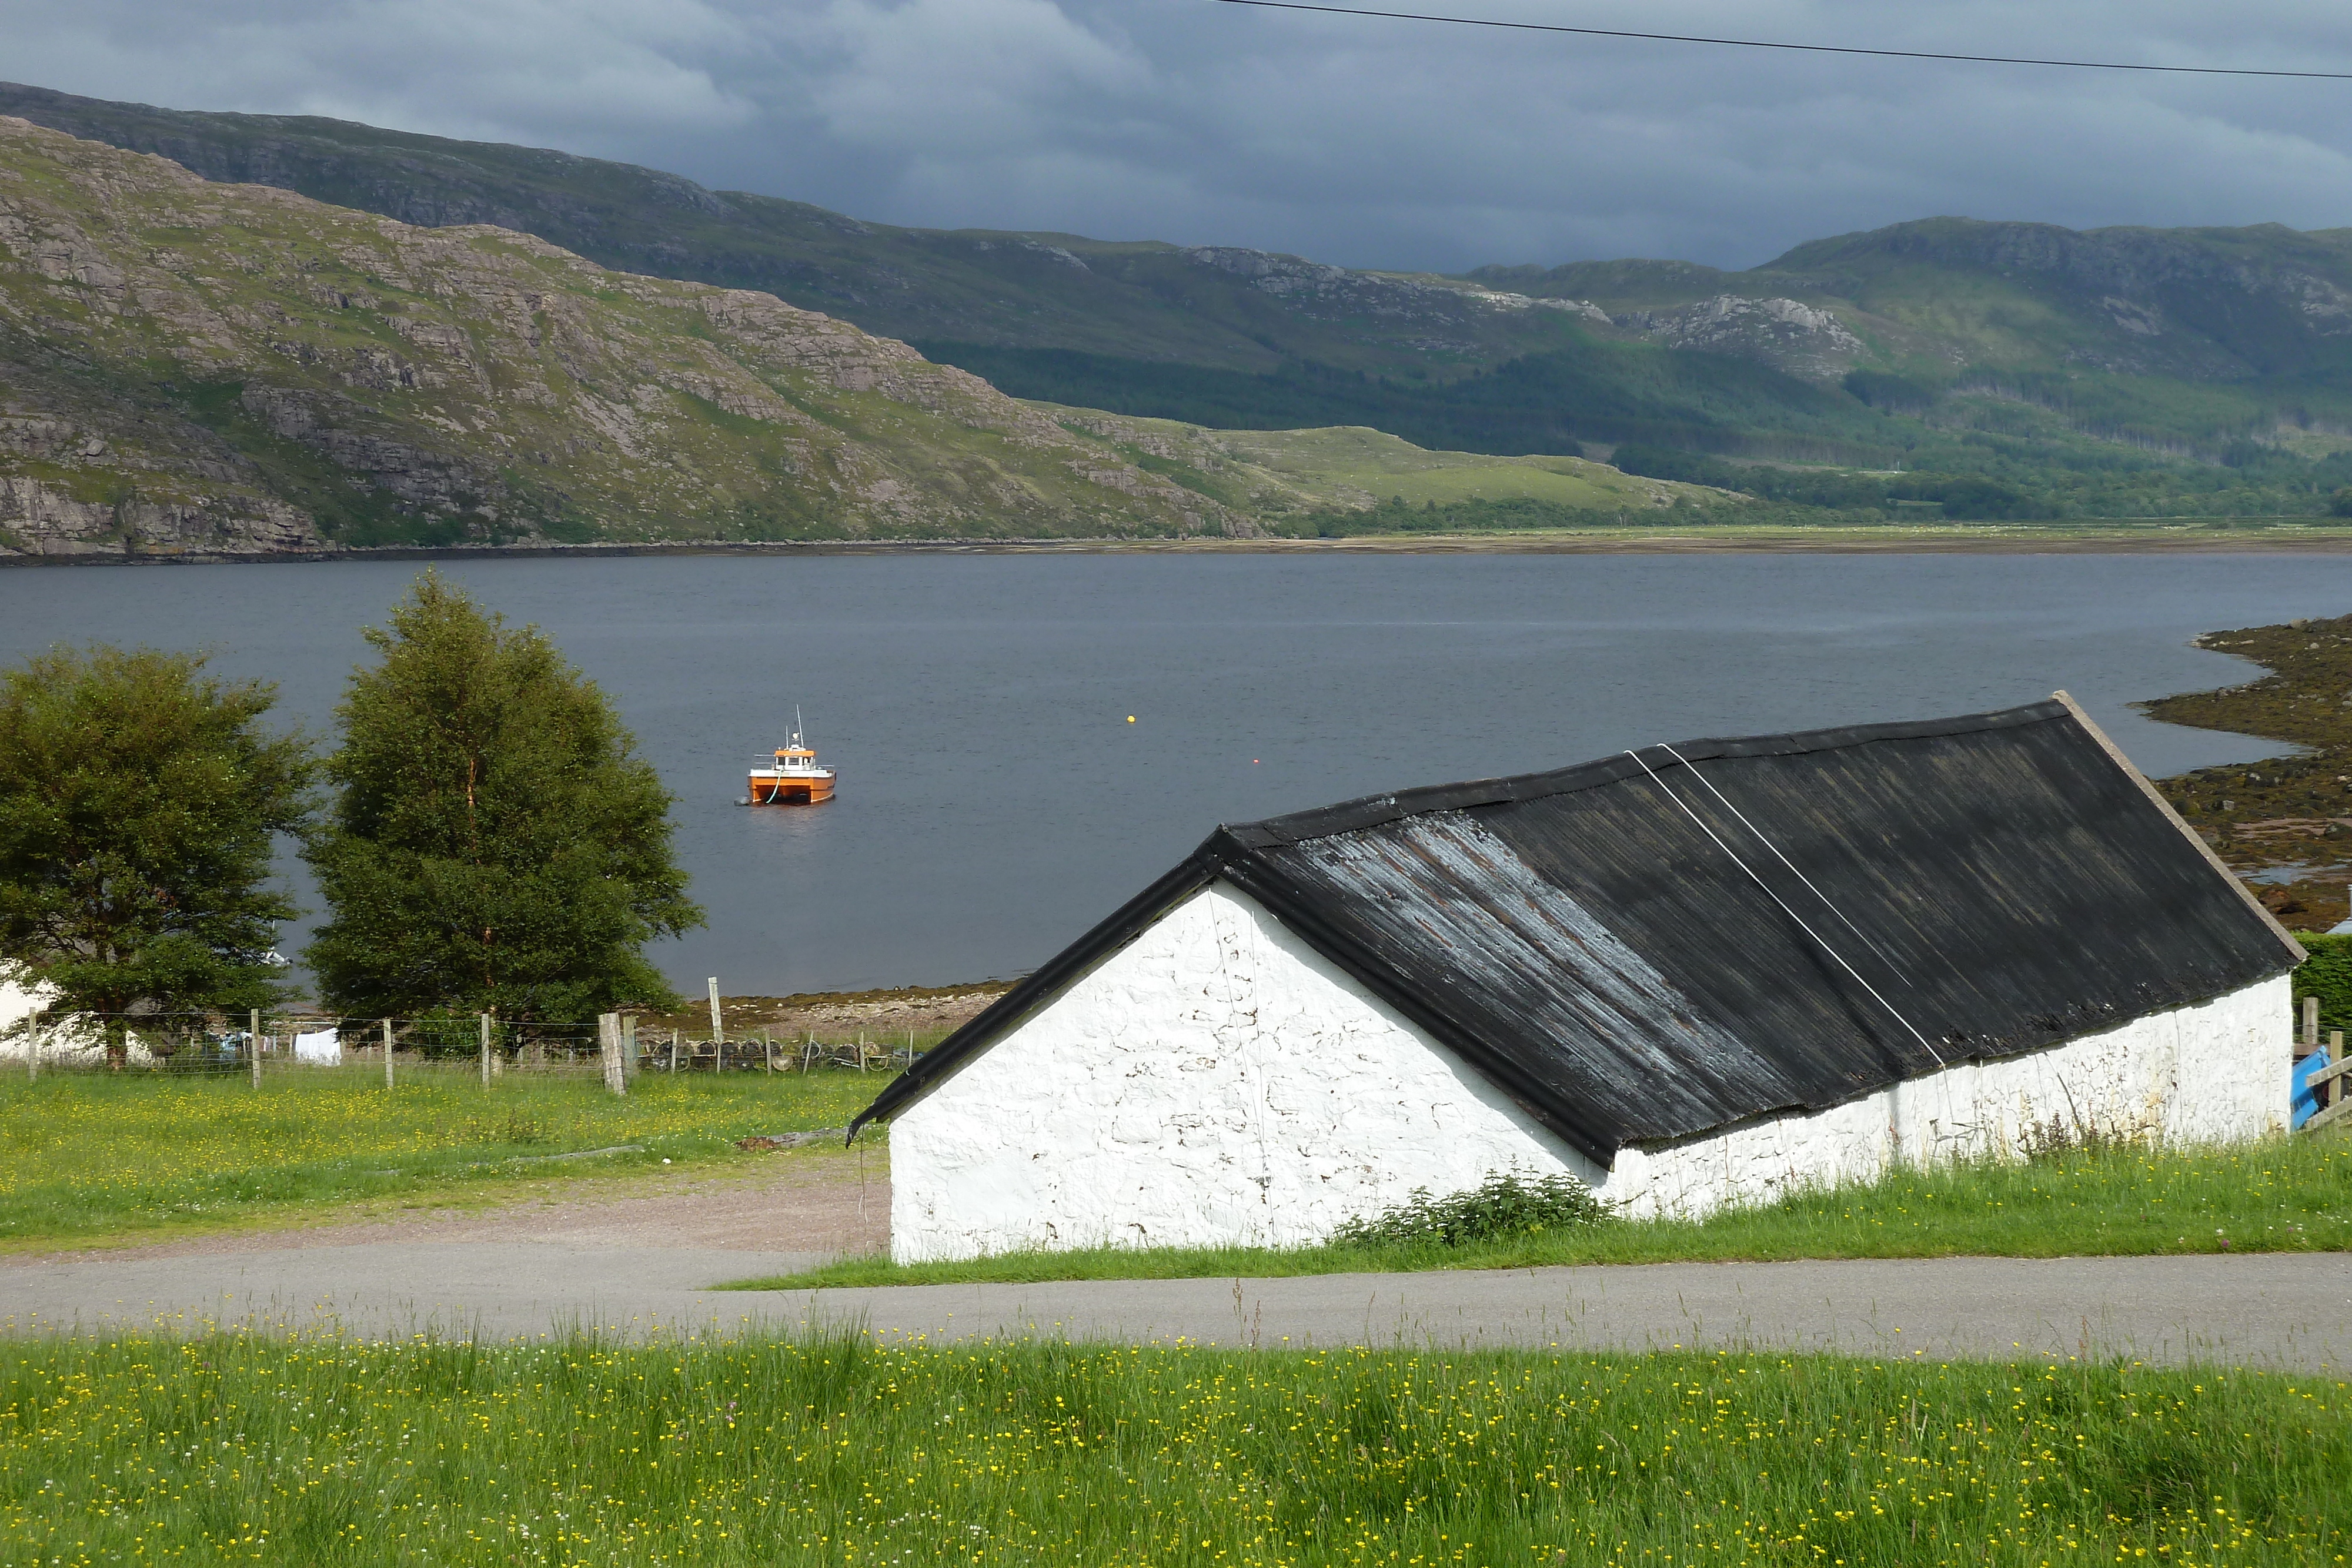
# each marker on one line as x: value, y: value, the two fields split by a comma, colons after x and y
x: 62, y: 1043
x: 17, y: 1002
x: 1218, y: 1081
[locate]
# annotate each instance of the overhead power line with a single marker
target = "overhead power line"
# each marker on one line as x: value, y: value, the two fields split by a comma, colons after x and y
x: 1800, y: 48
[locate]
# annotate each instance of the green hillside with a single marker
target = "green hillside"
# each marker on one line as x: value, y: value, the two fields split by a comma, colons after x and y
x: 186, y: 365
x: 1301, y: 480
x: 1945, y: 367
x: 1238, y: 309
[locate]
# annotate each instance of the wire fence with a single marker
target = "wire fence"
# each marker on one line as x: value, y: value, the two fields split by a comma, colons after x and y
x: 256, y: 1046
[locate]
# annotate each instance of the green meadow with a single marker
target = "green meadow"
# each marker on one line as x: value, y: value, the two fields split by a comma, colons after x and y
x: 840, y: 1450
x: 94, y: 1157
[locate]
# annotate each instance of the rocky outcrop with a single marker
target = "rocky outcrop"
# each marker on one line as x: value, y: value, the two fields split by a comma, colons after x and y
x: 1799, y: 338
x: 36, y: 519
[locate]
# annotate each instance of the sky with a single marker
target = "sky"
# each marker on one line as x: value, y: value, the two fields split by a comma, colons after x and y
x: 1361, y: 141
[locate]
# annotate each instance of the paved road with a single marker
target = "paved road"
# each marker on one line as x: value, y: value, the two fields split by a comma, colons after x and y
x: 2285, y: 1310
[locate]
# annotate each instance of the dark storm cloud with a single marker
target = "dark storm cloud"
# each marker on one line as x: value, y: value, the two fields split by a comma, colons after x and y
x: 1367, y: 142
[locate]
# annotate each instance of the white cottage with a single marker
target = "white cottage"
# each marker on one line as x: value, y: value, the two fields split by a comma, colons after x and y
x: 1687, y: 976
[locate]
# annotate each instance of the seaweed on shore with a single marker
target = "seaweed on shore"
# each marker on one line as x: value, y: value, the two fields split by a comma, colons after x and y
x: 2283, y: 824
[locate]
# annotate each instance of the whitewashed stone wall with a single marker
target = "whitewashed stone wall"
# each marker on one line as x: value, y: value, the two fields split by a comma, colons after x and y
x: 2208, y: 1073
x: 1215, y: 1082
x: 1218, y: 1081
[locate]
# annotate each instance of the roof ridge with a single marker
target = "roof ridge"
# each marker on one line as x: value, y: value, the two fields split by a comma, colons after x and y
x: 1372, y: 811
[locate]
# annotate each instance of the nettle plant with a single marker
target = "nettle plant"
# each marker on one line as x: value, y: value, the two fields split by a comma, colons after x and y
x: 1508, y: 1203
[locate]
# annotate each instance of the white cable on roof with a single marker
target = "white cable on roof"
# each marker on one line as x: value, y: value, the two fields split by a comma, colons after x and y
x: 1785, y: 861
x: 1783, y: 903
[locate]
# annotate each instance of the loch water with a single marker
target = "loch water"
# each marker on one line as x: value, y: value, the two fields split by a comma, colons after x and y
x: 994, y: 798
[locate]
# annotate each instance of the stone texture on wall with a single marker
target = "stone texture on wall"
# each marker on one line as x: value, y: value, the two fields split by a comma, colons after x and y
x: 2207, y: 1073
x: 1217, y: 1081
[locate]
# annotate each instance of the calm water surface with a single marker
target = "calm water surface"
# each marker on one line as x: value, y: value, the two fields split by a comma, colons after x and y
x: 995, y: 801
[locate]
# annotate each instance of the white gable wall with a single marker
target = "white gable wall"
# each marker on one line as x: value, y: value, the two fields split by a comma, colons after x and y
x: 1218, y: 1081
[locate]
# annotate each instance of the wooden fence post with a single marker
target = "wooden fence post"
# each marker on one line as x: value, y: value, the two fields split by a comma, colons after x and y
x: 253, y: 1043
x: 673, y: 1053
x: 608, y: 1041
x: 32, y: 1052
x: 486, y: 1050
x: 629, y: 1043
x: 717, y: 1032
x: 387, y: 1053
x: 2311, y: 1022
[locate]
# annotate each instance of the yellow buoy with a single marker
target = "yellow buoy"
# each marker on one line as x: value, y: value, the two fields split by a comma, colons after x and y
x: 1131, y: 718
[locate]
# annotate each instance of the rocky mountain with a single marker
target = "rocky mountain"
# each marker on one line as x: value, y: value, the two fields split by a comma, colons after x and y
x: 1236, y: 309
x: 1938, y: 297
x: 2021, y: 351
x: 192, y: 365
x: 1947, y: 296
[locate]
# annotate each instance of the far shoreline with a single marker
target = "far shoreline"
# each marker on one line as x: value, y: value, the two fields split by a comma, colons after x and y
x: 2153, y: 539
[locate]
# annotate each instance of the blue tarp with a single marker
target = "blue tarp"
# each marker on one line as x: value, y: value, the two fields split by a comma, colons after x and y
x: 2304, y: 1102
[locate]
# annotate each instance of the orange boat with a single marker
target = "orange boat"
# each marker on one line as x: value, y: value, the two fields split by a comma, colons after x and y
x: 795, y: 779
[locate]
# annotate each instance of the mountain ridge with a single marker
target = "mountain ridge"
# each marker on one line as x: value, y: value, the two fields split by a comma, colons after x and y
x: 1144, y: 300
x: 236, y: 368
x: 2119, y: 371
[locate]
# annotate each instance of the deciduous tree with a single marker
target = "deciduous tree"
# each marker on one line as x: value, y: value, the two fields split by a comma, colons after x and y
x: 495, y: 843
x: 139, y: 798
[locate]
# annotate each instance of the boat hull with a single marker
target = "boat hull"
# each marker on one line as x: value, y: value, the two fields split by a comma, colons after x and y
x: 803, y: 791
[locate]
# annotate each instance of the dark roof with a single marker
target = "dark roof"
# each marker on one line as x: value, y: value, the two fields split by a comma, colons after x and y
x: 1648, y: 946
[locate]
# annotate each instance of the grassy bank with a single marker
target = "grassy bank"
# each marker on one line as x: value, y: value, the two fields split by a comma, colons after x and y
x: 841, y: 1452
x: 2278, y: 1196
x: 91, y: 1157
x: 1776, y: 529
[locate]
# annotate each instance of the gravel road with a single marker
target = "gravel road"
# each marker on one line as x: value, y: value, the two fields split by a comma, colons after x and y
x: 643, y: 1264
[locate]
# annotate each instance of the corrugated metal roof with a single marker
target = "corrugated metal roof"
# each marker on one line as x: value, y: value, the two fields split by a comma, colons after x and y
x: 1658, y: 943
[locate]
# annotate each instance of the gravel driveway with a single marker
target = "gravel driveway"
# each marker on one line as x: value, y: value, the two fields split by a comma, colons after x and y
x: 643, y: 1264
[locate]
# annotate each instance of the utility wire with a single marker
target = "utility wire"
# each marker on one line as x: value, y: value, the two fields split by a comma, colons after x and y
x: 1800, y: 49
x: 1888, y: 958
x: 1783, y: 903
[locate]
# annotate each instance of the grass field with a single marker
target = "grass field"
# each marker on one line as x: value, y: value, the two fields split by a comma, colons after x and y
x: 838, y: 1450
x: 1338, y: 462
x: 2279, y: 1196
x: 91, y: 1156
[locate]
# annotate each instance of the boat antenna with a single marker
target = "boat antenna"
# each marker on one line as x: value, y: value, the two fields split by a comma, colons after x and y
x: 796, y: 724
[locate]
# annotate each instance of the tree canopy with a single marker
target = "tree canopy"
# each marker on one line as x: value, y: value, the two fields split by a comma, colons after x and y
x: 138, y: 803
x: 495, y: 843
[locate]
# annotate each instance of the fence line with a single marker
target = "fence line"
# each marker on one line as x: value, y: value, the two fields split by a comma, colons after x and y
x: 216, y: 1045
